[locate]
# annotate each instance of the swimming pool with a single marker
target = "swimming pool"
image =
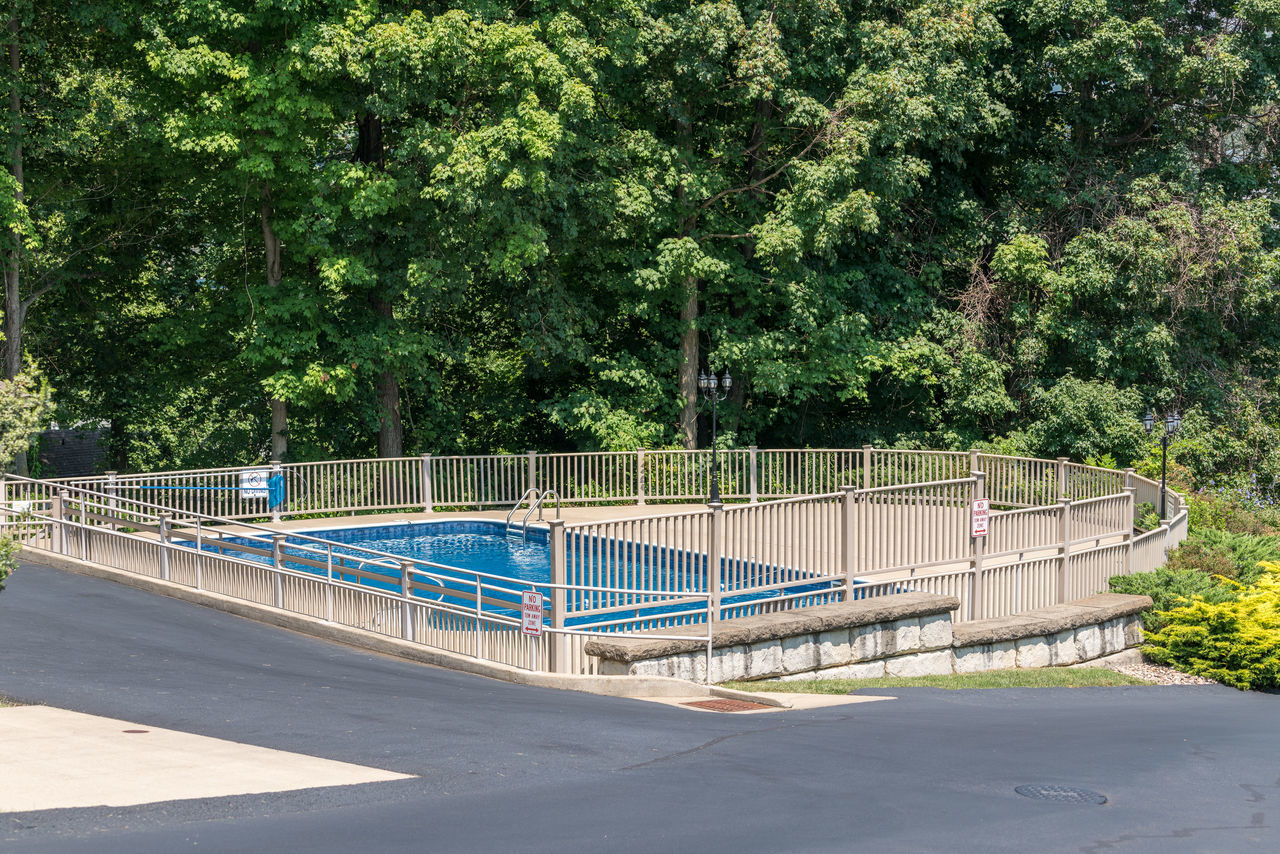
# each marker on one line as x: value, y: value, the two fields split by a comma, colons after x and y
x: 456, y: 549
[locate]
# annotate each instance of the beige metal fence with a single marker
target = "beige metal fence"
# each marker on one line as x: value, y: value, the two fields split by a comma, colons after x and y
x: 746, y: 474
x: 1050, y: 539
x: 453, y: 609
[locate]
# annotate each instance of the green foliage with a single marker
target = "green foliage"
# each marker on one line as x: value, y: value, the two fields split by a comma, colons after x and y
x: 9, y: 550
x: 1083, y: 419
x: 507, y: 219
x: 1210, y: 510
x: 25, y: 407
x: 1170, y: 588
x: 1236, y: 641
x: 1196, y: 555
x: 1233, y: 555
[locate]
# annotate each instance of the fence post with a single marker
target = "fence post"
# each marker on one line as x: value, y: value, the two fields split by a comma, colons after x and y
x: 973, y: 460
x: 1064, y: 547
x: 166, y: 520
x: 848, y: 538
x: 640, y: 476
x: 866, y: 466
x: 406, y: 606
x: 425, y: 484
x: 715, y: 556
x: 275, y: 472
x: 531, y: 477
x: 977, y: 545
x: 755, y: 480
x: 277, y: 561
x: 559, y: 597
x: 58, y: 512
x: 112, y: 491
x: 1062, y: 477
x: 1131, y: 494
x: 1128, y: 478
x: 199, y: 555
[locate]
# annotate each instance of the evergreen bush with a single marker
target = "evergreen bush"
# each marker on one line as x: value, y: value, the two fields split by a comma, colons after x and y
x: 1170, y: 588
x: 1236, y: 641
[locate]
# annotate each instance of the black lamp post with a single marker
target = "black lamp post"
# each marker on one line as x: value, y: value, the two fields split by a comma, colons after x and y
x: 1172, y: 422
x: 714, y: 389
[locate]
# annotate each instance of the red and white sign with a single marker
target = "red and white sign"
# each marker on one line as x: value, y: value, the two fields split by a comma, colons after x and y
x: 531, y: 613
x: 981, y: 516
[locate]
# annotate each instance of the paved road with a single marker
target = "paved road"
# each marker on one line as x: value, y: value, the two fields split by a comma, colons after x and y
x: 507, y: 768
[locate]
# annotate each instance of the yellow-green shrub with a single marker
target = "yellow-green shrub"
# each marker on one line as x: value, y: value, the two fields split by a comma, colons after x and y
x: 1235, y: 642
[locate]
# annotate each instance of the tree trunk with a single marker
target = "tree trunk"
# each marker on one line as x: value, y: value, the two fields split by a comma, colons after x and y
x: 689, y: 365
x: 390, y: 425
x: 275, y: 275
x: 13, y: 258
x: 390, y: 428
x: 13, y: 308
x: 369, y: 150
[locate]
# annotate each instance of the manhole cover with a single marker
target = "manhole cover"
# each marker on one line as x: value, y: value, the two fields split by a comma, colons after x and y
x: 1061, y: 794
x: 135, y: 730
x: 727, y: 705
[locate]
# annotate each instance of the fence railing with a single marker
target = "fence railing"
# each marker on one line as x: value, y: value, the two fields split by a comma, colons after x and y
x: 854, y: 536
x: 747, y: 474
x: 445, y: 607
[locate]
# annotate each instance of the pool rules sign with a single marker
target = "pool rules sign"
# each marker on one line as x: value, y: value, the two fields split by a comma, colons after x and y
x: 980, y: 517
x: 531, y: 613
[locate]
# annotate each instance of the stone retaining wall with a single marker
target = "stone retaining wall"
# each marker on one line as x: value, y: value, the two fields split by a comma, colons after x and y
x: 909, y: 634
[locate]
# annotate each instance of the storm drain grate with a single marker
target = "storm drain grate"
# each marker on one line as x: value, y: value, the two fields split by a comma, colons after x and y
x: 727, y: 705
x: 1061, y: 794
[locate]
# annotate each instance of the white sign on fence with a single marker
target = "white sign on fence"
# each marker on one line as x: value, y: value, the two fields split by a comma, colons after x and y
x: 253, y: 483
x: 981, y: 516
x: 531, y: 613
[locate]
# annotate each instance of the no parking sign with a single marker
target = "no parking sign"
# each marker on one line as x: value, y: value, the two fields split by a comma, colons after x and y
x: 531, y: 613
x: 981, y: 516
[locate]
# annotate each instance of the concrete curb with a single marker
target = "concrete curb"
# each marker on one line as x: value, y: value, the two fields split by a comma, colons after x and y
x: 636, y: 687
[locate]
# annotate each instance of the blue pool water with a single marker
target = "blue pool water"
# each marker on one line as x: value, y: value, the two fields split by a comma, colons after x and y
x: 477, y: 546
x: 482, y: 546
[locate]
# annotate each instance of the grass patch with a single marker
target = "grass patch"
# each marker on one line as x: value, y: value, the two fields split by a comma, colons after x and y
x: 1043, y: 677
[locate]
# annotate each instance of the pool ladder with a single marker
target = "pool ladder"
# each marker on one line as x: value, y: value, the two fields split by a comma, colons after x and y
x: 539, y: 498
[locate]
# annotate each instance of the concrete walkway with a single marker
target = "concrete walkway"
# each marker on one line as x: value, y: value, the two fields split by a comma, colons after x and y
x: 56, y: 759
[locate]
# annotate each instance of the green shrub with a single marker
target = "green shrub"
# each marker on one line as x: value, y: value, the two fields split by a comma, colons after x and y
x: 1195, y: 555
x: 1226, y: 553
x: 1247, y: 551
x: 1168, y: 589
x: 1145, y: 517
x: 9, y: 549
x: 1236, y: 642
x: 1218, y: 511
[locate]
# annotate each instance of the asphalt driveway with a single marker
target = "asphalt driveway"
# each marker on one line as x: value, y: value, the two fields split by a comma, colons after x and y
x: 499, y: 767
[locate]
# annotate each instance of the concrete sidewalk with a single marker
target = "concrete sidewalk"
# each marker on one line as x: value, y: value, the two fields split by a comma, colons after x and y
x: 55, y: 759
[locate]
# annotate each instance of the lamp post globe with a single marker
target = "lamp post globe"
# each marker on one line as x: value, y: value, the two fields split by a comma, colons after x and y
x: 715, y: 389
x: 1172, y: 421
